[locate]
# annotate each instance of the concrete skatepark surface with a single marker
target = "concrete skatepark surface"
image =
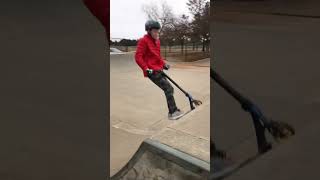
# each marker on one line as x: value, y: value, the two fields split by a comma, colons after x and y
x: 139, y: 110
x: 274, y: 61
x: 115, y: 51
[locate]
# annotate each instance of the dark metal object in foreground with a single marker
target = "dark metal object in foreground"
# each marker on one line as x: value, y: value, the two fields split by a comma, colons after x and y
x: 279, y: 130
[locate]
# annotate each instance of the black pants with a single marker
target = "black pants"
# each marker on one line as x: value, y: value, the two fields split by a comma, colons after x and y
x: 165, y: 85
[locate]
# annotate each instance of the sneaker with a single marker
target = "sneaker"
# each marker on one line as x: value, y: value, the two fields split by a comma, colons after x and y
x: 176, y: 115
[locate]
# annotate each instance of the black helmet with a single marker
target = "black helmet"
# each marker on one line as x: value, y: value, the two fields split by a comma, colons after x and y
x: 151, y: 24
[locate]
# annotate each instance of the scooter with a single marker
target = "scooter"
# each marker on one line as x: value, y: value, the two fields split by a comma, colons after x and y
x: 279, y: 130
x: 193, y: 102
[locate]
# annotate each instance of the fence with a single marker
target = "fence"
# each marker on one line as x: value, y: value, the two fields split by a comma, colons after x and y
x: 186, y: 52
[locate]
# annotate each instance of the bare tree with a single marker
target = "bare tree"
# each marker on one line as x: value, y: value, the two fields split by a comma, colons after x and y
x: 151, y: 10
x: 164, y: 14
x: 200, y: 9
x: 182, y: 30
x: 196, y: 6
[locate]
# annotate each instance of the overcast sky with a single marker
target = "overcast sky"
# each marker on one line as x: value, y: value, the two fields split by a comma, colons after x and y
x: 127, y: 18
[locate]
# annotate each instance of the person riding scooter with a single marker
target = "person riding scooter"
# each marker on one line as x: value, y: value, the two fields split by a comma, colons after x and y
x: 149, y: 59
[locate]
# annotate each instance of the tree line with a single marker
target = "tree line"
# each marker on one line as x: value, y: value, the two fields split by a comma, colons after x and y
x: 179, y: 29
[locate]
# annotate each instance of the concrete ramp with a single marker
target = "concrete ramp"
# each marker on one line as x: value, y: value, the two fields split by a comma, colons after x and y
x: 155, y: 160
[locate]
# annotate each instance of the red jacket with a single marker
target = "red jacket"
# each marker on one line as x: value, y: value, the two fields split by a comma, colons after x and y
x: 148, y: 54
x: 101, y: 10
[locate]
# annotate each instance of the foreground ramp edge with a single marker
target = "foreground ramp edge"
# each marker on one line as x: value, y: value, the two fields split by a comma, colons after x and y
x: 155, y: 160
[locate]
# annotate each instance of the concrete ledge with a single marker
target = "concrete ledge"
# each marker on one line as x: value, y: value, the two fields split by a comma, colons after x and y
x: 154, y: 159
